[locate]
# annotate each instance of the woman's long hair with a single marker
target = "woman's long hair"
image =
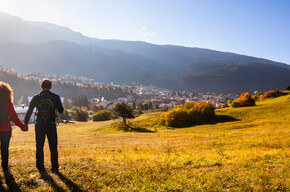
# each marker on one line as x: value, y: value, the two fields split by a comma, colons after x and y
x: 6, y: 92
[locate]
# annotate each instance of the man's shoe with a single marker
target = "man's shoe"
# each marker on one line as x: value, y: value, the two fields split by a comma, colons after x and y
x: 5, y: 168
x: 41, y: 169
x: 53, y: 170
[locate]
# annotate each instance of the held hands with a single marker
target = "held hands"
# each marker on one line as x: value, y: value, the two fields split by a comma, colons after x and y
x: 25, y: 128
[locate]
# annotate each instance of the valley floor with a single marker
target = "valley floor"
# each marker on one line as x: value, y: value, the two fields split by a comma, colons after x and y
x: 248, y: 154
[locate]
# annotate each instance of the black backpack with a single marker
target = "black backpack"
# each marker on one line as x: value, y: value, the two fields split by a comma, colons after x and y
x: 46, y: 111
x: 3, y: 112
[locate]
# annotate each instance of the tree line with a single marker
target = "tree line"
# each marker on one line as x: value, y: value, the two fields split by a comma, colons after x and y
x: 31, y: 87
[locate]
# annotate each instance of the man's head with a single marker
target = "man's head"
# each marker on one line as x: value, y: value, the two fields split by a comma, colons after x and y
x: 46, y: 84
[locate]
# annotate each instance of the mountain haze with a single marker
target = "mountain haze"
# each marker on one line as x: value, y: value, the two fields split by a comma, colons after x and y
x: 30, y: 46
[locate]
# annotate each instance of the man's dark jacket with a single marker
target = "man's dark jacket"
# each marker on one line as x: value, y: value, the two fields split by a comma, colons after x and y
x: 44, y: 95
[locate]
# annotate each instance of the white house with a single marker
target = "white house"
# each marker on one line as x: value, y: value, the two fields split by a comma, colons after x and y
x: 21, y: 111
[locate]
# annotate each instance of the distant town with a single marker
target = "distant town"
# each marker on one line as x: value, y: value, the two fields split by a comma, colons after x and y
x: 154, y: 97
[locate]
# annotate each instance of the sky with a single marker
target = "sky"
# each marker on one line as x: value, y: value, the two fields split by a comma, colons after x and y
x: 259, y: 28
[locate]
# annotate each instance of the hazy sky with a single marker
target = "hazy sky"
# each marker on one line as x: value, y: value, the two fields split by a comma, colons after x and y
x: 258, y: 28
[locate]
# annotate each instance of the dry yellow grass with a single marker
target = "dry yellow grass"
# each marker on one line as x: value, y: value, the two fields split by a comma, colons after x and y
x: 251, y: 154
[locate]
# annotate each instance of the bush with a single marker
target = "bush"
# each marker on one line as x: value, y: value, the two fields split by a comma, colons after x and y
x: 194, y: 116
x: 206, y: 109
x: 140, y: 111
x: 103, y: 115
x: 176, y: 117
x: 257, y: 95
x: 189, y: 114
x: 64, y: 117
x: 244, y: 100
x: 80, y: 115
x: 188, y: 105
x: 163, y: 118
x: 235, y: 104
x: 268, y: 95
x: 225, y: 105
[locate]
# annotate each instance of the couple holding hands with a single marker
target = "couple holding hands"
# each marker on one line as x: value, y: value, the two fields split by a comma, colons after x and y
x: 46, y: 104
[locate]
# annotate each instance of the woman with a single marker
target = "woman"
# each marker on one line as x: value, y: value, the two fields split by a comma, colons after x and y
x: 7, y: 114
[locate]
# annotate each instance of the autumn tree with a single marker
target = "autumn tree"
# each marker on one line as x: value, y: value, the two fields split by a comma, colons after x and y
x: 124, y: 111
x: 245, y: 99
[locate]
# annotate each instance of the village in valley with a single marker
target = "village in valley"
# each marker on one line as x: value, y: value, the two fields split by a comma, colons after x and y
x: 148, y: 98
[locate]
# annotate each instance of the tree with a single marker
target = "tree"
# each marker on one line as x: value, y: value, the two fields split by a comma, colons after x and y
x: 134, y: 106
x: 245, y: 99
x: 288, y: 88
x: 85, y: 101
x: 150, y: 105
x: 156, y: 106
x: 25, y: 100
x: 64, y: 117
x: 94, y: 107
x: 103, y: 115
x: 140, y: 106
x: 80, y: 115
x: 80, y: 101
x: 145, y: 106
x: 189, y: 105
x: 124, y: 111
x: 189, y: 114
x: 66, y: 103
x: 140, y: 111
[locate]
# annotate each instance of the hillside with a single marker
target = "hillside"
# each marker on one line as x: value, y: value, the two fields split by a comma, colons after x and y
x: 249, y: 154
x: 232, y: 79
x: 48, y: 48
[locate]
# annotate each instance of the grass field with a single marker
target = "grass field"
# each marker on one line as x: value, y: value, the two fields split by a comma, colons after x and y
x: 248, y: 154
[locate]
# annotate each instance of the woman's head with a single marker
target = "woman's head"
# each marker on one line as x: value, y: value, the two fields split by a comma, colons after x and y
x: 6, y: 91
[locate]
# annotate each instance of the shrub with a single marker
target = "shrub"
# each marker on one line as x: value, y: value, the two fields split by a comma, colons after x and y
x: 103, y: 115
x: 268, y: 95
x: 257, y: 95
x: 140, y: 111
x: 64, y: 117
x: 176, y: 117
x: 206, y: 109
x: 235, y: 104
x: 245, y: 99
x: 80, y: 115
x: 188, y: 105
x: 229, y: 102
x: 163, y: 118
x: 189, y: 114
x: 225, y: 105
x: 194, y: 116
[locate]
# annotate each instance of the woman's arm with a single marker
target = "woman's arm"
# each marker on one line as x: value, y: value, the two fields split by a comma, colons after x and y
x: 13, y: 115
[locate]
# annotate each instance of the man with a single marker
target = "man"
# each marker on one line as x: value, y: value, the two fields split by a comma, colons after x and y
x: 46, y: 104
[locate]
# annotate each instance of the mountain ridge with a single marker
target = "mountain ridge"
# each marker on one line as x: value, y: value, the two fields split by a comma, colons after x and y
x: 49, y: 48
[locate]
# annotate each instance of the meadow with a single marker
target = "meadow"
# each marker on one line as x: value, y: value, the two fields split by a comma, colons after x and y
x: 248, y: 152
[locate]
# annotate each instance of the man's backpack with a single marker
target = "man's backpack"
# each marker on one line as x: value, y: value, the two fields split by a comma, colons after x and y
x: 3, y: 112
x: 46, y: 111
